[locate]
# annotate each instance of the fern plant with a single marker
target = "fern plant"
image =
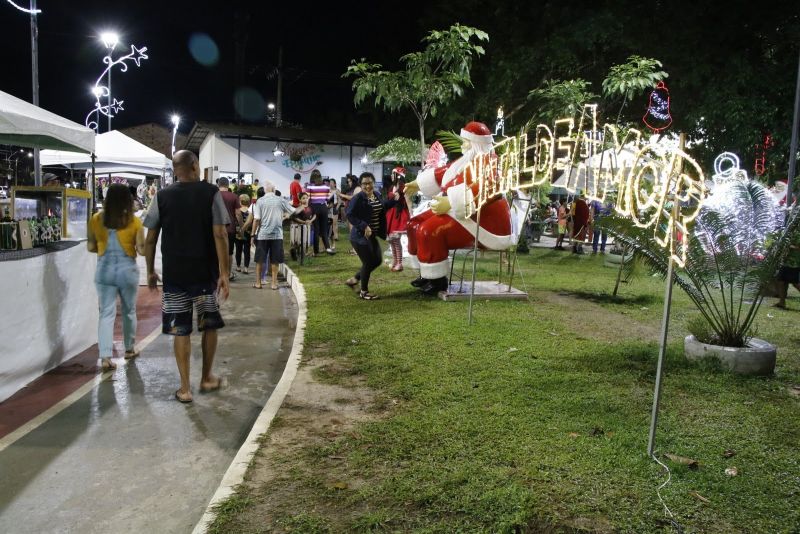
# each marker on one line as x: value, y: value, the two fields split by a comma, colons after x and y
x: 728, y: 261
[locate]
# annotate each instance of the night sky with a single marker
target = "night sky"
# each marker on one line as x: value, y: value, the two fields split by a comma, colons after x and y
x: 319, y: 40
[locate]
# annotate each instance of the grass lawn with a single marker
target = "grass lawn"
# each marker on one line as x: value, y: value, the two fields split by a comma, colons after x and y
x: 536, y: 418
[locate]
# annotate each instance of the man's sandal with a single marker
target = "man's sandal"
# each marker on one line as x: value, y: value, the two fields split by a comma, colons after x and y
x: 107, y: 365
x: 184, y: 399
x: 131, y: 354
x: 366, y: 295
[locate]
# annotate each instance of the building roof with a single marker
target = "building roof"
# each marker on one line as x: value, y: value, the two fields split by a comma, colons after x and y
x: 203, y: 129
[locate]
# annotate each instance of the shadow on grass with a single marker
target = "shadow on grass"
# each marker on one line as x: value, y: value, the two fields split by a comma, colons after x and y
x: 605, y: 298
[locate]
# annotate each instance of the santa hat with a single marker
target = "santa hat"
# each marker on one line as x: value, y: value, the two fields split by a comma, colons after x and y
x: 401, y: 171
x: 477, y: 132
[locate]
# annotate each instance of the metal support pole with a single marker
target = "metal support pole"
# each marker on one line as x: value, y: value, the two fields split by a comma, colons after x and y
x: 793, y: 144
x: 474, y: 266
x: 279, y: 106
x: 37, y: 168
x: 665, y: 319
x: 661, y: 352
x: 109, y: 91
x: 94, y: 185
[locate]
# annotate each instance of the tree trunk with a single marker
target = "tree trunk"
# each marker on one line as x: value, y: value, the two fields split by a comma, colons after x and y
x: 619, y: 272
x: 422, y: 151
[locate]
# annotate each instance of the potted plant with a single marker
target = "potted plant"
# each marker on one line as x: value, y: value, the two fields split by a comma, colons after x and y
x: 728, y: 265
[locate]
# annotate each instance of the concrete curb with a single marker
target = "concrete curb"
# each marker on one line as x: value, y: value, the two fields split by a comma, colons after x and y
x: 236, y: 471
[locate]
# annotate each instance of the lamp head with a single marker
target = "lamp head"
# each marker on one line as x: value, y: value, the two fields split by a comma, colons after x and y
x: 110, y: 39
x: 176, y: 120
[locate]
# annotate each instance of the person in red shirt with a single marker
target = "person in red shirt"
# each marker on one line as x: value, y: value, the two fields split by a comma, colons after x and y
x: 581, y: 217
x: 232, y: 204
x: 295, y: 189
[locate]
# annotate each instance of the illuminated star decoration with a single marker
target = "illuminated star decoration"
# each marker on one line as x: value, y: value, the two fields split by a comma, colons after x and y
x: 31, y: 11
x: 101, y: 91
x: 657, y: 117
x: 116, y: 106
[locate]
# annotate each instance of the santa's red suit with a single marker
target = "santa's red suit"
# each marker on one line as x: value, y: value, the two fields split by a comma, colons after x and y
x: 431, y: 236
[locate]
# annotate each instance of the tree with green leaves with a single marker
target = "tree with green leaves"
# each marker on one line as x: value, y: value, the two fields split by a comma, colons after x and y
x: 632, y: 78
x: 428, y: 80
x: 557, y: 99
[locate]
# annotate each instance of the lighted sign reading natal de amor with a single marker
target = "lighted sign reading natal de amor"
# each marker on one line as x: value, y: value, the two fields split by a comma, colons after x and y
x: 657, y: 175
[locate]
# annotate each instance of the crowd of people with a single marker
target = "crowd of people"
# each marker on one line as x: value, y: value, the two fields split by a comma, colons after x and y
x: 576, y: 222
x: 206, y: 229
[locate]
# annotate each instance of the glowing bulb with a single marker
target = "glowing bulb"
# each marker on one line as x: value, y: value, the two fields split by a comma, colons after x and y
x: 270, y: 106
x: 110, y: 39
x: 97, y: 91
x: 176, y: 120
x: 364, y: 159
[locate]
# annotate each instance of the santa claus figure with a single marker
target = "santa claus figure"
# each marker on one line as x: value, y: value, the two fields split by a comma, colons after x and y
x: 445, y: 226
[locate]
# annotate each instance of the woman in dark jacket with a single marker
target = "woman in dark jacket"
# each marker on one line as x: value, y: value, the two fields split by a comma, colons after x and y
x: 367, y: 213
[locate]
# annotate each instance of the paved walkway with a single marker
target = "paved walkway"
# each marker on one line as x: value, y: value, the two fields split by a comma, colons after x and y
x: 126, y: 456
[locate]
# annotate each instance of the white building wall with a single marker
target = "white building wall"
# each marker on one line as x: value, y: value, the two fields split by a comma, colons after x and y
x: 333, y: 161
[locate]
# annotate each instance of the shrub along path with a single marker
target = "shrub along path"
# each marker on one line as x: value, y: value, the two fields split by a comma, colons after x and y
x: 535, y: 419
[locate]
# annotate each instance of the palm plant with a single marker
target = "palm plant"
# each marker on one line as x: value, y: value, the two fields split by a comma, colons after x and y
x: 728, y: 260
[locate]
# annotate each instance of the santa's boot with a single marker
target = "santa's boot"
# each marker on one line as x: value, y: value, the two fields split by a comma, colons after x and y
x: 435, y: 285
x: 419, y: 282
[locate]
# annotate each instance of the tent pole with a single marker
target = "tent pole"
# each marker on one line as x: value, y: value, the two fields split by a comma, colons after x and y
x: 94, y: 185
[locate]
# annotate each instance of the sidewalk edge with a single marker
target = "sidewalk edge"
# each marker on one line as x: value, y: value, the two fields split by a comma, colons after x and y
x: 238, y: 467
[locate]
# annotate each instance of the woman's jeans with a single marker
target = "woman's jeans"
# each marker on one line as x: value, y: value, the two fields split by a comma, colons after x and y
x: 321, y: 229
x: 369, y: 252
x: 117, y: 273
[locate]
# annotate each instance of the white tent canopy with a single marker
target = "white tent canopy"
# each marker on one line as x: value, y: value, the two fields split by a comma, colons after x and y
x: 118, y: 151
x: 24, y: 124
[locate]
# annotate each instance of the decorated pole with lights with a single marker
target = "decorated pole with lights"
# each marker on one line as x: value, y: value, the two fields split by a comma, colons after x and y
x: 112, y: 107
x: 176, y: 120
x: 110, y: 40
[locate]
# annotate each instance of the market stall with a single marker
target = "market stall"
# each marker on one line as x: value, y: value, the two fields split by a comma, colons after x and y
x: 115, y: 154
x: 49, y: 309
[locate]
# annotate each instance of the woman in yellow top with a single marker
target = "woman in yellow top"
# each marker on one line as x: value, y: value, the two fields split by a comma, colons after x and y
x: 116, y: 235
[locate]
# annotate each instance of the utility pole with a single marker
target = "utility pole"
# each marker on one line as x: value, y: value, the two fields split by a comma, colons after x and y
x: 37, y: 169
x: 279, y: 107
x: 793, y: 144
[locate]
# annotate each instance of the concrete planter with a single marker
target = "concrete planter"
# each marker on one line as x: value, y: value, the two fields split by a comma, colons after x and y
x: 758, y: 358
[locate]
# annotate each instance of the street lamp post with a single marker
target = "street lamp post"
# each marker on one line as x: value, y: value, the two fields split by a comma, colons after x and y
x: 110, y: 40
x: 33, y: 11
x: 176, y: 120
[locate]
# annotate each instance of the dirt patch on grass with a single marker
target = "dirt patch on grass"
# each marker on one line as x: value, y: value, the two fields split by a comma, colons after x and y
x: 305, y: 453
x: 586, y: 317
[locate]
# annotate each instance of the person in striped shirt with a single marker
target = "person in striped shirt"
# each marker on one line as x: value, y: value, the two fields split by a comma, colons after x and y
x: 319, y: 194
